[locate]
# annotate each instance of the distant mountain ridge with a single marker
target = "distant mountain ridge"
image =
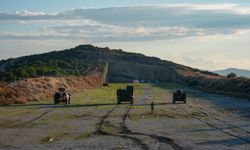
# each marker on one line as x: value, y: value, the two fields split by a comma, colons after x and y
x: 239, y: 72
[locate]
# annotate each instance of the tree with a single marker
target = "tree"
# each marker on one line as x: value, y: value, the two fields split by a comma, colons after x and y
x: 231, y: 75
x: 31, y: 71
x: 21, y: 72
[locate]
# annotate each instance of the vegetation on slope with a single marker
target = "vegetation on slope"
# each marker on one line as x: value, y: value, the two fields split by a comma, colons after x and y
x: 235, y: 86
x: 56, y: 63
x: 87, y: 59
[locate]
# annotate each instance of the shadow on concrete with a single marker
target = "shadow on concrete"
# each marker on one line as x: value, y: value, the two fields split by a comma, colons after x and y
x: 227, y: 142
x: 236, y: 105
x: 218, y: 129
x: 82, y: 105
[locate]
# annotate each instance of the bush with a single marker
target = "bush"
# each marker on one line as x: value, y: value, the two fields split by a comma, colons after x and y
x: 231, y: 75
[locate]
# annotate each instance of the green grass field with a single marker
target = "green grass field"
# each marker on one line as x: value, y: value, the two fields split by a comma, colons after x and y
x: 103, y: 95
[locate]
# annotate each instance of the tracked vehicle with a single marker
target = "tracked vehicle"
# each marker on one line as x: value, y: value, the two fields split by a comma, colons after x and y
x: 125, y: 95
x: 179, y: 95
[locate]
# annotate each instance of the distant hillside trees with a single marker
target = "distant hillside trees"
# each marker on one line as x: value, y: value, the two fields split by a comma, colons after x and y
x: 64, y: 63
x: 231, y: 75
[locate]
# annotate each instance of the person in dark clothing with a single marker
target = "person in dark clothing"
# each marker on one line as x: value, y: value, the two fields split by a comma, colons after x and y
x: 152, y: 107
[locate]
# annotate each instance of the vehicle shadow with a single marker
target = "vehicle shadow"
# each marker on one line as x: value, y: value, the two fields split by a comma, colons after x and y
x: 228, y: 142
x: 221, y: 128
x: 50, y: 105
x: 158, y: 104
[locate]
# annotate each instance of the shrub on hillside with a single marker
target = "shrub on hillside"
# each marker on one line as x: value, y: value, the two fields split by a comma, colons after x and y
x: 231, y: 75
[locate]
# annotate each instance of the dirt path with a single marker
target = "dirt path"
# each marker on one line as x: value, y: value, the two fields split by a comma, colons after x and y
x: 144, y: 97
x: 124, y: 131
x: 35, y: 118
x: 127, y: 134
x: 159, y: 139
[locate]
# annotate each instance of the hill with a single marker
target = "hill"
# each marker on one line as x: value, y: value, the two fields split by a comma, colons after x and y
x: 239, y: 72
x: 36, y: 77
x: 86, y: 59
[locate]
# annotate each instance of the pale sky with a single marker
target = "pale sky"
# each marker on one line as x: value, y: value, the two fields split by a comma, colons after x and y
x: 210, y: 35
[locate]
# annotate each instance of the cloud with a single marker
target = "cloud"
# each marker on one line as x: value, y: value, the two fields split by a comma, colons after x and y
x: 231, y: 8
x: 101, y: 32
x: 29, y: 13
x: 138, y: 23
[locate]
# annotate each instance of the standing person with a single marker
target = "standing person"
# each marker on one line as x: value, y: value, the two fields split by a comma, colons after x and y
x: 152, y: 107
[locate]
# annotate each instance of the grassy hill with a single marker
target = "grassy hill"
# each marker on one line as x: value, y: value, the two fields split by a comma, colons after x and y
x: 86, y: 59
x: 90, y: 66
x: 75, y: 62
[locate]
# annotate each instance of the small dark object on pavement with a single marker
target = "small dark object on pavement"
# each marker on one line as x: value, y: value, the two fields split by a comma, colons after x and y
x: 125, y: 95
x: 179, y: 95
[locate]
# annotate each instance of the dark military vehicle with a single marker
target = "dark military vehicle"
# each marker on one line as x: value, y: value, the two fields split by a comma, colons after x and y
x: 179, y: 95
x: 125, y: 95
x: 105, y: 84
x: 61, y: 96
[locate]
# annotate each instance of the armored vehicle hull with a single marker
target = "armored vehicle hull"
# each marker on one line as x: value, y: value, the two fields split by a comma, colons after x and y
x: 125, y: 95
x: 61, y: 97
x: 179, y: 96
